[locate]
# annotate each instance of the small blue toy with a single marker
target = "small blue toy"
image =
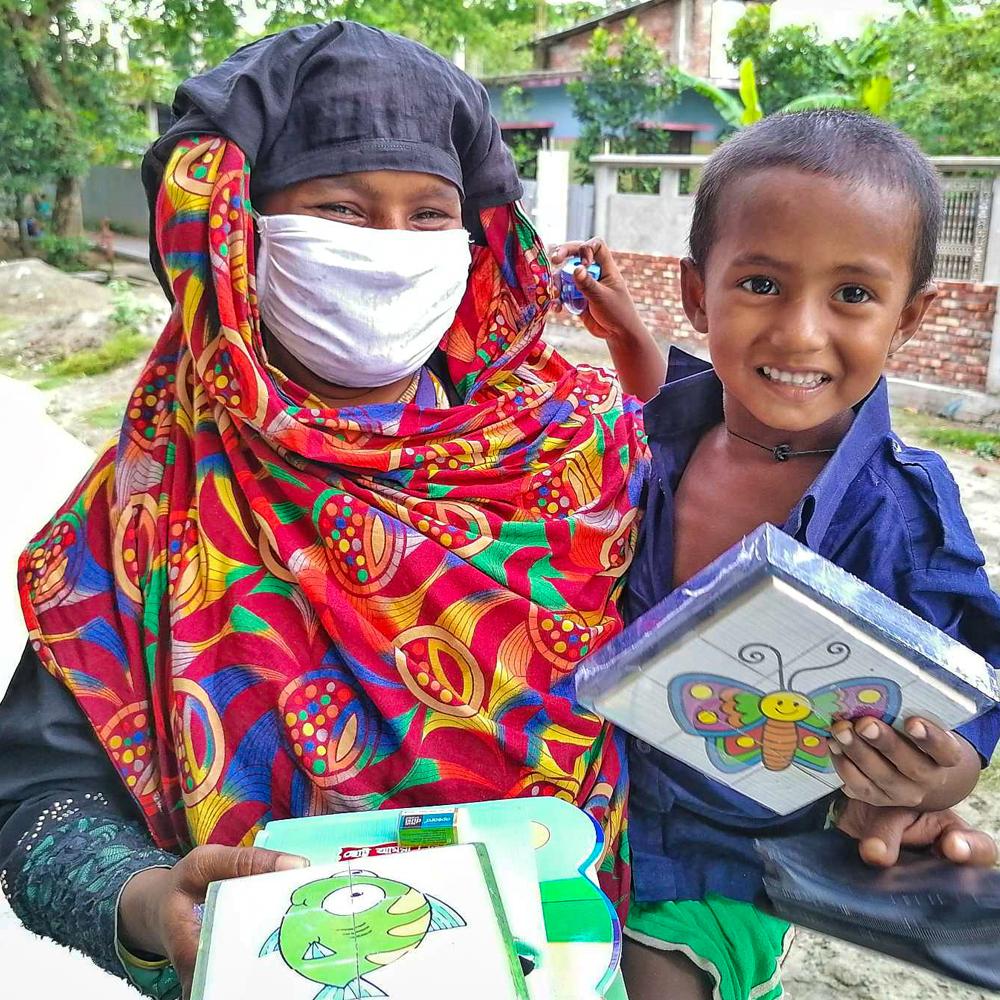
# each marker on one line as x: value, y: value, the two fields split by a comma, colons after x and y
x: 572, y: 298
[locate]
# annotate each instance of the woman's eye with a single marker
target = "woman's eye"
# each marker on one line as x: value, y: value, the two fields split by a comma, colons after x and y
x: 338, y: 209
x: 760, y: 286
x: 852, y: 294
x: 430, y: 215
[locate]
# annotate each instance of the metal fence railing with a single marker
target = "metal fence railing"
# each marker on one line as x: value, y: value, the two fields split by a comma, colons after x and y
x: 965, y: 228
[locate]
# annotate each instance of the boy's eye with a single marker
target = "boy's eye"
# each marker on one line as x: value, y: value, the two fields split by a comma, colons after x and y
x: 759, y: 285
x: 852, y: 294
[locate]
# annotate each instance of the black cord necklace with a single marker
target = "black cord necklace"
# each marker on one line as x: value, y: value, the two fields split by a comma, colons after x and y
x: 781, y: 452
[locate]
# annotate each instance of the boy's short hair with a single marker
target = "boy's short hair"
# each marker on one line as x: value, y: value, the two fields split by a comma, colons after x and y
x: 833, y: 143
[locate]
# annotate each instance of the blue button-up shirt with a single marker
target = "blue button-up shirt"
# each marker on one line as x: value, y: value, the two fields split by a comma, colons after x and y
x: 885, y: 512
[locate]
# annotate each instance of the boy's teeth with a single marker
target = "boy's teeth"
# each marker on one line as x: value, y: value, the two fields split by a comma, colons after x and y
x: 807, y: 380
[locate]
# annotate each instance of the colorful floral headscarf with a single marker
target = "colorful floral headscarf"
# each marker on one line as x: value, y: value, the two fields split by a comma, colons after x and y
x: 268, y: 608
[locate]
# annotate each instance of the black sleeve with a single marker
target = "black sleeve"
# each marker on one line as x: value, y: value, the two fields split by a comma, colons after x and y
x: 71, y: 836
x: 48, y: 751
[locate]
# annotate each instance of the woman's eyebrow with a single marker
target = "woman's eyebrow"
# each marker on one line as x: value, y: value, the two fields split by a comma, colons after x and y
x: 361, y: 185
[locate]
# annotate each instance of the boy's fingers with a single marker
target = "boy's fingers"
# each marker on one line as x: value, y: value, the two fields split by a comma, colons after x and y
x: 908, y: 759
x: 586, y: 282
x: 969, y: 847
x: 882, y: 834
x: 561, y: 252
x: 943, y: 747
x: 602, y: 254
x: 874, y: 775
x: 858, y: 785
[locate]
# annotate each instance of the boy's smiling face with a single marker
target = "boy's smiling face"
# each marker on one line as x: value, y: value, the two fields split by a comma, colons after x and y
x: 805, y: 293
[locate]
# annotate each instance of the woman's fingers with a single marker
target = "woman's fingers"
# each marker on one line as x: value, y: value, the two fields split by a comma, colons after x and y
x: 213, y: 863
x: 206, y: 864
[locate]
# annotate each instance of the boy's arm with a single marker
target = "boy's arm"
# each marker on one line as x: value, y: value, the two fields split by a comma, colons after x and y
x: 612, y: 317
x: 943, y: 581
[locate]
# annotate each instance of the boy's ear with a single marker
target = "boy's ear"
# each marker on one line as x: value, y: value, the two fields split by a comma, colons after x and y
x: 693, y: 295
x: 912, y: 316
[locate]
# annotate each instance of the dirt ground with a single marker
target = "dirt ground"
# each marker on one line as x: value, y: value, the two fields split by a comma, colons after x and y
x: 46, y: 314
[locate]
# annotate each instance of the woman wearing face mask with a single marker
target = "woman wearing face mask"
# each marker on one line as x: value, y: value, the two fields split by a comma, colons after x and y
x: 359, y: 526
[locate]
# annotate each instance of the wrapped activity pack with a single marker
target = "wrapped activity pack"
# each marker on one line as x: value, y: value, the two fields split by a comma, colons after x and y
x: 741, y: 671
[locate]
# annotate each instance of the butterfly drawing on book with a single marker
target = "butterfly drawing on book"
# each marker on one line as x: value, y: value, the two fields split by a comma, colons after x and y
x: 743, y: 726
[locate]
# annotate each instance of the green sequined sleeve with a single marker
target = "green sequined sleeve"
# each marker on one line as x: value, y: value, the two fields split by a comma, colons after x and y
x: 64, y: 878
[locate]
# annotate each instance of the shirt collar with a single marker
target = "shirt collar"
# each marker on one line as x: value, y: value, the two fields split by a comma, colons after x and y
x: 821, y: 501
x: 691, y: 401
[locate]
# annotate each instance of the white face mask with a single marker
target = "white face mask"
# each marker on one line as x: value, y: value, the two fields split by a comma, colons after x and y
x: 358, y: 307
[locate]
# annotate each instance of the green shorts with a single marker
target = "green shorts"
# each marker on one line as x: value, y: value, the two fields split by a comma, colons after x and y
x: 739, y: 946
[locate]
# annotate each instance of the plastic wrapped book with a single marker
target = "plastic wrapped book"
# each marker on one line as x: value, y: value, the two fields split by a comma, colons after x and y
x: 424, y: 924
x: 741, y: 671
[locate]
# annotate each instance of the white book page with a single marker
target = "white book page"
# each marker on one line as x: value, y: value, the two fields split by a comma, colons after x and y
x: 419, y: 926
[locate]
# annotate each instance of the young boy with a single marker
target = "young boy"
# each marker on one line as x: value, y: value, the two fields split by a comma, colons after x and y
x: 812, y: 244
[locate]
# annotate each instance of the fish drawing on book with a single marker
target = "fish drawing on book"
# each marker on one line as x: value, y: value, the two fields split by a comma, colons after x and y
x: 743, y: 726
x: 340, y: 929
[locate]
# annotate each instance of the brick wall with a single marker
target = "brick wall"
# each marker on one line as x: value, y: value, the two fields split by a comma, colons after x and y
x: 657, y: 22
x: 952, y: 347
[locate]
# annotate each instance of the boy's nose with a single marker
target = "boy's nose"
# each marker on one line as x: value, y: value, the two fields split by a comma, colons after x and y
x: 802, y: 327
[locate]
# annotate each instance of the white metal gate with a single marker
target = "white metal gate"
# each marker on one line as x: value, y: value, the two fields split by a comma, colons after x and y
x: 965, y: 226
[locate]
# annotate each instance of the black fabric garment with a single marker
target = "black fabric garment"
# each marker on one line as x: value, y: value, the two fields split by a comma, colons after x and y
x: 330, y: 99
x: 71, y: 836
x: 48, y: 751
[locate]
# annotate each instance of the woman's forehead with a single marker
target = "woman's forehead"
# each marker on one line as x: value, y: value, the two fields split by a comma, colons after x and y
x: 378, y: 183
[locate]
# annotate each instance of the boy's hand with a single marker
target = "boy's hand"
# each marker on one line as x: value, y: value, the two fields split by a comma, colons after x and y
x: 611, y: 315
x: 881, y: 833
x: 610, y: 312
x: 927, y: 768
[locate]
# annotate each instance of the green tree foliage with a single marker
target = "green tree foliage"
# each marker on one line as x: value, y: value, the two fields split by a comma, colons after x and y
x: 62, y: 106
x: 790, y: 62
x: 934, y: 69
x: 946, y: 68
x: 627, y: 83
x: 796, y: 72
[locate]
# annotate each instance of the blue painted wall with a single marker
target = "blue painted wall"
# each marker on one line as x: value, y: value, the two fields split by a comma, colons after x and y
x: 553, y: 104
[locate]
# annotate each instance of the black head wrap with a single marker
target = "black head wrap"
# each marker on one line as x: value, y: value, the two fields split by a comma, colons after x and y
x: 337, y: 98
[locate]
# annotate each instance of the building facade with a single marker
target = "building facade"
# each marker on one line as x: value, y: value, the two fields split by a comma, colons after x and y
x: 691, y: 33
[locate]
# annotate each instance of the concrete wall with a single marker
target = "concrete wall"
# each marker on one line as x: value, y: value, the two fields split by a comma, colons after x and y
x: 115, y: 193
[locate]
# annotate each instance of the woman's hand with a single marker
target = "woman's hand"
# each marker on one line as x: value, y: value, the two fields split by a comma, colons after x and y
x: 927, y: 768
x: 881, y: 833
x: 611, y: 316
x: 157, y: 912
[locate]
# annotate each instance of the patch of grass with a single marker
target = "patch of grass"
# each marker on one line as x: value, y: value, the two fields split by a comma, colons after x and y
x: 991, y: 778
x: 119, y: 349
x: 106, y: 417
x: 983, y: 444
x: 64, y: 252
x: 53, y: 382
